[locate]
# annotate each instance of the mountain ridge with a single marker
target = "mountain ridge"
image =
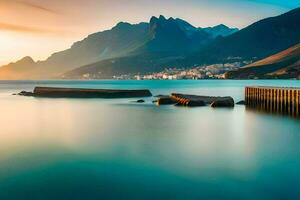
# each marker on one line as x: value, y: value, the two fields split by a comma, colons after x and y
x: 285, y: 64
x: 285, y: 32
x: 256, y: 41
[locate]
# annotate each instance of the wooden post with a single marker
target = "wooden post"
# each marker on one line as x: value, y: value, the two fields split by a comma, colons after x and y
x: 289, y: 102
x: 284, y: 101
x: 272, y: 100
x: 276, y: 100
x: 280, y: 101
x: 265, y: 99
x: 293, y: 102
x: 297, y: 103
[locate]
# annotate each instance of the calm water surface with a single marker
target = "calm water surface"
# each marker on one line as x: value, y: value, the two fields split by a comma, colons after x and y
x: 118, y: 149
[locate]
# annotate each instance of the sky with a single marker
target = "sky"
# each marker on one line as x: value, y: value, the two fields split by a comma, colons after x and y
x: 38, y: 28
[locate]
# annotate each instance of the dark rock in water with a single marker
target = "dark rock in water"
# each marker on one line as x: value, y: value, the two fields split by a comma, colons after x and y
x: 166, y: 101
x: 14, y: 94
x: 24, y: 93
x: 195, y: 103
x: 85, y: 93
x: 224, y: 102
x: 140, y: 101
x: 241, y: 102
x: 161, y: 95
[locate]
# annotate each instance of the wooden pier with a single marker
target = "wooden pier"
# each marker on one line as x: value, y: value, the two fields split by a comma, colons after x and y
x: 274, y: 99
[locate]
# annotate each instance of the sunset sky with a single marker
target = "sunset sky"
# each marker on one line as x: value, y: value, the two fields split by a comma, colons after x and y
x: 39, y: 28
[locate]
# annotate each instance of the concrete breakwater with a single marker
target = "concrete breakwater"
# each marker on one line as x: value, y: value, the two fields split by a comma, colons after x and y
x: 274, y: 99
x: 174, y: 98
x: 196, y: 100
x: 85, y: 93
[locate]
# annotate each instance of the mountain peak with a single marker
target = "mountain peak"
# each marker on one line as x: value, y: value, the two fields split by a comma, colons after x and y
x: 221, y: 26
x: 121, y: 25
x: 161, y: 17
x: 27, y: 60
x: 154, y: 19
x: 220, y: 30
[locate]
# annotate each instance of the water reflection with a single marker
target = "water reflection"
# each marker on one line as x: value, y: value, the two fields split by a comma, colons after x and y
x: 91, y: 149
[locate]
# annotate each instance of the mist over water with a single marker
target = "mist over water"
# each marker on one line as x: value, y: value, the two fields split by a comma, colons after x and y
x: 119, y: 149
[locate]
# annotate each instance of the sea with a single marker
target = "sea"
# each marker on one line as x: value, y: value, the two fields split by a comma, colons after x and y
x: 86, y: 149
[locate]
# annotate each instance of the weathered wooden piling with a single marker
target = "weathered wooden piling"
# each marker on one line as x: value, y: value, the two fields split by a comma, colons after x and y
x: 283, y: 100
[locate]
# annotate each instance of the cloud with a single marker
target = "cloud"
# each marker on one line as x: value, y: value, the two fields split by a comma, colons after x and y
x: 27, y: 29
x: 19, y: 28
x: 35, y: 6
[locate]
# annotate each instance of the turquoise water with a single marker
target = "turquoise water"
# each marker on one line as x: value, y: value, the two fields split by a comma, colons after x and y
x: 118, y: 149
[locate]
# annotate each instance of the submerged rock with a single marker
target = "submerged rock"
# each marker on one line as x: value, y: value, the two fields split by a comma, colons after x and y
x: 241, y: 102
x: 195, y: 103
x: 224, y: 102
x: 24, y: 93
x: 140, y: 101
x: 161, y: 95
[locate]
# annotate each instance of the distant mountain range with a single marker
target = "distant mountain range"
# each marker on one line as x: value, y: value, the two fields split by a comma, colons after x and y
x: 161, y: 43
x: 170, y: 37
x: 254, y: 42
x: 285, y: 64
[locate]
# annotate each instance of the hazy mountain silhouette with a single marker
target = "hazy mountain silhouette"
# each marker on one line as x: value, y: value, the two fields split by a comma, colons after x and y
x: 220, y: 30
x: 19, y: 69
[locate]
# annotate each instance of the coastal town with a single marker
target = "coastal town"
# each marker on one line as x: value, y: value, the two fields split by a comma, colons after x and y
x: 216, y: 71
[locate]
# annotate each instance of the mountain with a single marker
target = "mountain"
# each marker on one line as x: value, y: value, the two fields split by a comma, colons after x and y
x: 119, y: 41
x: 259, y: 40
x: 178, y: 36
x: 142, y: 63
x: 170, y: 37
x: 19, y: 69
x: 220, y: 30
x: 174, y: 36
x: 285, y: 64
x: 170, y: 41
